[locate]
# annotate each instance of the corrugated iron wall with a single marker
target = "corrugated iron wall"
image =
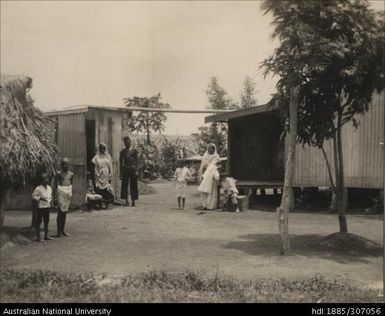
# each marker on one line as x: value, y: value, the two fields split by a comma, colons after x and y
x: 363, y: 154
x: 71, y: 140
x: 71, y: 137
x: 256, y: 153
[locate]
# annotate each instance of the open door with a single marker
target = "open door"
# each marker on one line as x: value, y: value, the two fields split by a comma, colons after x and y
x: 90, y: 144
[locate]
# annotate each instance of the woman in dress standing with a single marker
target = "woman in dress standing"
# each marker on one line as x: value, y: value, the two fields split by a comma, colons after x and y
x: 209, y: 177
x: 103, y: 174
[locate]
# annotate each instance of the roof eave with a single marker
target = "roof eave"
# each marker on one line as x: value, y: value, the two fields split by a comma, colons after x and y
x: 224, y: 117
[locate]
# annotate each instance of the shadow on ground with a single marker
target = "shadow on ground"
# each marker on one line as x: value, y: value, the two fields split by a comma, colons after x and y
x: 354, y: 249
x: 16, y: 235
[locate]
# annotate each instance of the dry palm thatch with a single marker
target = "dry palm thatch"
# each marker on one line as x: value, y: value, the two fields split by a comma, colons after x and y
x: 26, y: 146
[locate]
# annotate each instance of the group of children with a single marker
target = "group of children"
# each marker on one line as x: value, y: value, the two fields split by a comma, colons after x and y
x: 44, y: 197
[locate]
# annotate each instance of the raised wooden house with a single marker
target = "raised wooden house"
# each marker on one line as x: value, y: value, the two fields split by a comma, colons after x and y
x: 256, y: 153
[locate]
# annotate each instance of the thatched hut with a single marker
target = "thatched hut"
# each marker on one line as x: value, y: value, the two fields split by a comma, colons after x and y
x: 26, y: 146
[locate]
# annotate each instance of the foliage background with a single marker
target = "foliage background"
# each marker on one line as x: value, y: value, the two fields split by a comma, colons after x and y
x: 159, y: 159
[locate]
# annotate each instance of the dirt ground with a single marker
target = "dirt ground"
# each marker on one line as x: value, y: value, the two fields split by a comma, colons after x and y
x: 155, y: 235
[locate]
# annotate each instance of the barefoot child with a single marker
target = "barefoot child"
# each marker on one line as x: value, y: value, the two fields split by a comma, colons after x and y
x: 182, y: 174
x: 63, y: 186
x: 43, y: 196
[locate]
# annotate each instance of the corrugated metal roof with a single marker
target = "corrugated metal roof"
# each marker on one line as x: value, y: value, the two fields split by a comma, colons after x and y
x: 85, y: 108
x: 223, y: 117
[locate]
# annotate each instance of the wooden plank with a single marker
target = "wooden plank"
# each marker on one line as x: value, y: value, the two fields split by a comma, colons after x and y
x: 256, y: 184
x: 139, y: 109
x: 85, y: 108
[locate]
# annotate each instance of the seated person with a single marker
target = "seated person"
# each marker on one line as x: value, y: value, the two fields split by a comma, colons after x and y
x: 93, y: 200
x: 230, y: 202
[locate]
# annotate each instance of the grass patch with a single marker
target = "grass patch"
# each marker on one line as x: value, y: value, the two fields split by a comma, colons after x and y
x: 44, y: 286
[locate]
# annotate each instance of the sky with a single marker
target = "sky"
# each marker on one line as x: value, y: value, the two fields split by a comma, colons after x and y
x: 99, y: 52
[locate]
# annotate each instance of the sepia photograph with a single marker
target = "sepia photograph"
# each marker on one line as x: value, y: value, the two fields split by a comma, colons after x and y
x: 192, y: 152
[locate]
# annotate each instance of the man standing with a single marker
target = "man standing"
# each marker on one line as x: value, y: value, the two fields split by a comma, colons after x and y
x: 128, y: 161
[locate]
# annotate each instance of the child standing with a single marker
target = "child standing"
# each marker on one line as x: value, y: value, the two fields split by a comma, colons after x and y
x: 63, y: 186
x: 43, y: 196
x: 181, y: 175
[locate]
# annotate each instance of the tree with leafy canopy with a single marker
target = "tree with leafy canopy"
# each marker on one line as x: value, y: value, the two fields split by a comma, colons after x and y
x: 336, y: 51
x: 217, y: 132
x: 171, y: 152
x: 147, y: 122
x: 217, y: 96
x: 149, y: 160
x: 26, y: 145
x: 247, y: 94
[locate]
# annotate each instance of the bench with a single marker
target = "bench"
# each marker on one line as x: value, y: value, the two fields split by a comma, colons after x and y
x: 247, y: 188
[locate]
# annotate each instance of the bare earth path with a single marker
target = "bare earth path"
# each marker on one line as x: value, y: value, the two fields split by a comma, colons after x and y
x: 157, y: 236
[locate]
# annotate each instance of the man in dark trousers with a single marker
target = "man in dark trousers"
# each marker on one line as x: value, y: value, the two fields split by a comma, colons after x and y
x: 128, y: 161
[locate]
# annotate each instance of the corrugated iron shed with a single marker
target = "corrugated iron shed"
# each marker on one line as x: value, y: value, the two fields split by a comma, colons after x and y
x: 249, y: 157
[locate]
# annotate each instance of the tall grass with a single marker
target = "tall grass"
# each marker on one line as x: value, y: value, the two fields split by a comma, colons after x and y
x: 159, y: 286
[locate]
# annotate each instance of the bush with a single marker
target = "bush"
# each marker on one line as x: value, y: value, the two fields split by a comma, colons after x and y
x: 171, y: 152
x: 150, y: 160
x: 161, y: 159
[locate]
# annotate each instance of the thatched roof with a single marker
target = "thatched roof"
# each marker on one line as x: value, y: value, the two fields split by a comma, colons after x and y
x: 26, y: 146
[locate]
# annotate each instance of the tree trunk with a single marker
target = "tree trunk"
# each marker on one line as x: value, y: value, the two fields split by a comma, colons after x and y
x: 287, y: 196
x: 3, y: 196
x: 148, y: 137
x: 333, y: 203
x: 341, y: 191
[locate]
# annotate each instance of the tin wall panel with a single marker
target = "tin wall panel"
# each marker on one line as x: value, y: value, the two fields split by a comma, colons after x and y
x: 362, y: 151
x: 71, y: 137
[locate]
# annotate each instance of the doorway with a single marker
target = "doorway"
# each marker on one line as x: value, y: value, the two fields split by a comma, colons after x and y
x: 90, y: 145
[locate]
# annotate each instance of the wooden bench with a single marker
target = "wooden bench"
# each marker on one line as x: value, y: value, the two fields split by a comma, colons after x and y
x: 246, y: 188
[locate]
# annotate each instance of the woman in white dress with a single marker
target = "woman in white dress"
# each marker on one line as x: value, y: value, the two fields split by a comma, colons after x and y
x: 209, y: 177
x: 103, y: 174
